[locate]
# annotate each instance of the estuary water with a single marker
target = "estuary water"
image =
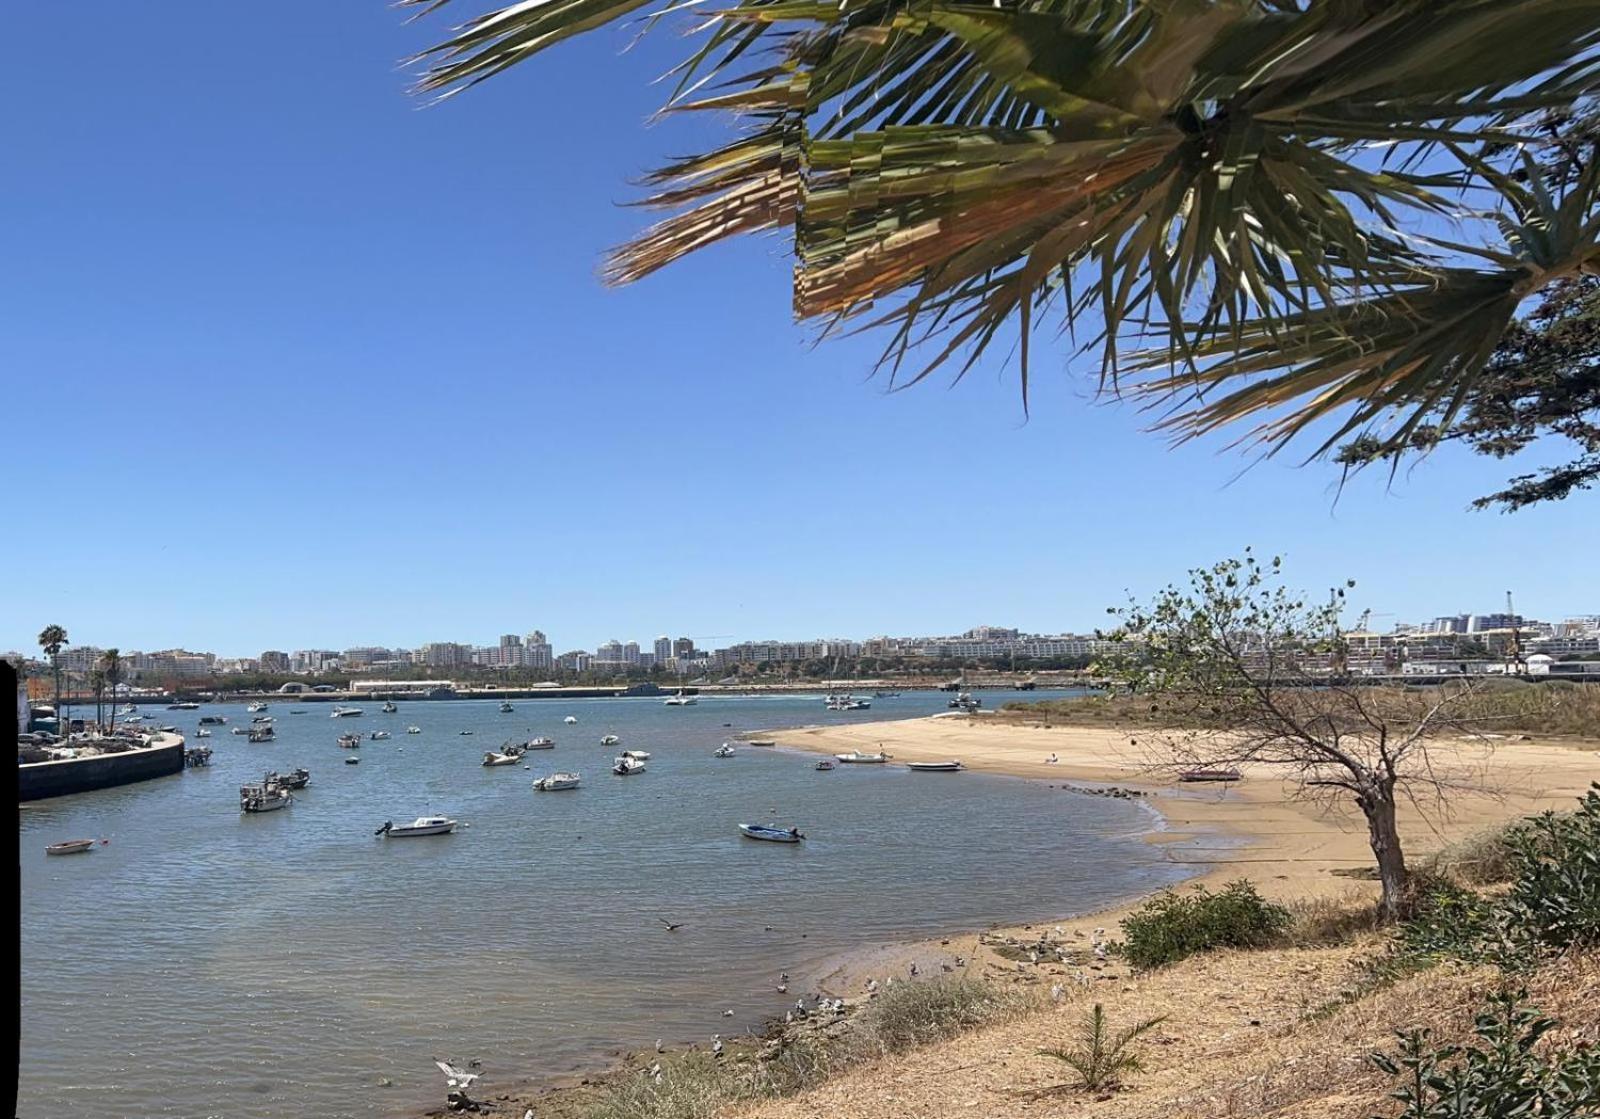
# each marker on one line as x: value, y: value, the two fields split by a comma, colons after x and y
x: 211, y: 963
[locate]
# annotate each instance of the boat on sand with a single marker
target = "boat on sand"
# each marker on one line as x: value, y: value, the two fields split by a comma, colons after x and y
x: 856, y: 757
x: 934, y: 767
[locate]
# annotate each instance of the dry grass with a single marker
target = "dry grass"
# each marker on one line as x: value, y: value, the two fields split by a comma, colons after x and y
x: 911, y: 1014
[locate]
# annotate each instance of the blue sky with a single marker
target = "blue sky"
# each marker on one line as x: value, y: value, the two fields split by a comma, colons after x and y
x: 311, y: 366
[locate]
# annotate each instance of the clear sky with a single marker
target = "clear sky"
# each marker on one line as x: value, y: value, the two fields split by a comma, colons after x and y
x: 304, y: 365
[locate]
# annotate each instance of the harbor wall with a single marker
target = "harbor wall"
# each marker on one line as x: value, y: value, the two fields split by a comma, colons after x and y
x: 77, y: 775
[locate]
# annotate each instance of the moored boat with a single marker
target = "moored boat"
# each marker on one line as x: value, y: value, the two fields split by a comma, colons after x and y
x: 388, y: 707
x: 770, y: 833
x: 825, y: 765
x: 413, y: 730
x: 422, y: 825
x: 681, y: 700
x: 609, y: 740
x: 539, y: 744
x: 294, y: 779
x: 378, y: 735
x: 556, y: 782
x: 626, y: 766
x: 570, y: 720
x: 934, y: 767
x: 203, y: 732
x: 353, y: 759
x: 637, y: 755
x: 761, y: 742
x: 349, y: 742
x: 723, y: 751
x: 505, y: 707
x: 345, y: 712
x: 263, y: 798
x: 263, y: 733
x: 493, y: 758
x: 856, y: 757
x: 69, y: 847
x: 255, y: 707
x: 213, y: 720
x: 184, y: 705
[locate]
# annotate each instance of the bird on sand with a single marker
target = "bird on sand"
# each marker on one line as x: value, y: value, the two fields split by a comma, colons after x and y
x: 660, y: 1046
x: 716, y: 1045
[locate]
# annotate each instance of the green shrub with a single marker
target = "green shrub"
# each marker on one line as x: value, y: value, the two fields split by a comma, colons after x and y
x: 1500, y: 1076
x: 1555, y: 893
x: 1100, y: 1058
x: 1171, y: 926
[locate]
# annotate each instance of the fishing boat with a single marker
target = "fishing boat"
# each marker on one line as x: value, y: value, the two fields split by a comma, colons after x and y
x: 637, y: 755
x: 965, y: 702
x: 378, y: 735
x: 70, y: 847
x: 203, y: 732
x: 934, y: 767
x: 539, y: 744
x: 263, y: 798
x: 213, y: 720
x: 556, y: 782
x: 294, y: 779
x: 570, y: 720
x: 263, y: 733
x: 626, y: 766
x: 422, y: 825
x: 770, y: 833
x: 197, y: 756
x: 505, y: 707
x: 493, y: 758
x: 681, y: 700
x: 345, y: 712
x: 856, y: 757
x: 723, y: 751
x: 847, y: 702
x: 413, y: 729
x: 610, y: 740
x: 388, y: 707
x: 257, y: 706
x: 825, y: 765
x: 349, y: 742
x: 1210, y: 775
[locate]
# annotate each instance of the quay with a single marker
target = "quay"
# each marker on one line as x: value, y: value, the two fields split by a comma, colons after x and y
x: 161, y: 756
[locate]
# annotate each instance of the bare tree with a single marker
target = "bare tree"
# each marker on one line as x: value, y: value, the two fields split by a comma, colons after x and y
x: 1241, y: 672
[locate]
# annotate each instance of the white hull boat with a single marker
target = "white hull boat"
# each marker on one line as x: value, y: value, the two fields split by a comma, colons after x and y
x: 770, y: 834
x: 627, y: 767
x: 506, y: 708
x: 934, y: 767
x: 556, y: 782
x: 70, y: 847
x: 723, y: 751
x: 570, y: 720
x: 255, y: 707
x: 203, y: 732
x: 681, y: 700
x: 856, y: 757
x: 345, y: 713
x: 388, y: 707
x: 610, y: 740
x: 378, y: 735
x: 264, y: 798
x: 539, y: 744
x: 492, y: 758
x: 422, y: 825
x: 413, y: 730
x: 637, y: 755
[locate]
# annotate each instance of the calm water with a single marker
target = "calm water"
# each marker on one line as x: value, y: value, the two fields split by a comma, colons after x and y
x: 208, y: 963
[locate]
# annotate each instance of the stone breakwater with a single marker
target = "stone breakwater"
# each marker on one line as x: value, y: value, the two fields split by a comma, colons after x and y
x: 160, y: 757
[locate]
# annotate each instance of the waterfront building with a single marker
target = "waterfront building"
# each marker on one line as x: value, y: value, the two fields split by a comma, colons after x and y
x: 576, y: 661
x: 274, y: 661
x: 443, y: 654
x: 537, y: 652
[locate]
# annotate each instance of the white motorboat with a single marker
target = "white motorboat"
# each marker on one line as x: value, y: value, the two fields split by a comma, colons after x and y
x: 627, y: 767
x: 847, y: 702
x: 203, y: 732
x: 723, y: 751
x: 263, y: 798
x: 422, y: 825
x: 185, y: 705
x: 637, y: 755
x: 539, y: 744
x: 505, y: 707
x: 610, y: 740
x: 345, y: 712
x: 934, y: 767
x: 556, y: 782
x: 69, y: 847
x: 771, y: 833
x: 570, y: 720
x: 681, y: 700
x: 378, y: 735
x: 493, y: 758
x: 353, y: 759
x: 255, y: 707
x: 133, y: 718
x: 856, y: 757
x: 388, y: 707
x: 413, y: 730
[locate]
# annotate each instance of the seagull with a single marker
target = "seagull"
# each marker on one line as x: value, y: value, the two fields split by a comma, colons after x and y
x: 1056, y: 991
x: 727, y: 1014
x: 783, y: 977
x: 913, y: 967
x: 783, y: 988
x: 455, y: 1077
x: 716, y: 1045
x: 672, y: 926
x: 528, y: 1114
x: 660, y: 1046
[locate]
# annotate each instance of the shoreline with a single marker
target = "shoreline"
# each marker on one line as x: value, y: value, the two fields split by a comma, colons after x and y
x: 1292, y: 850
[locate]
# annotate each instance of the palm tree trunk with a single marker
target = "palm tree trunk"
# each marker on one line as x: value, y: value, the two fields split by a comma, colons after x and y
x: 1378, y: 805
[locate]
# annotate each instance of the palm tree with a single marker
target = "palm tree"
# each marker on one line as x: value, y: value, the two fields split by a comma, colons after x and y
x: 97, y: 684
x: 1290, y: 214
x: 111, y: 666
x: 51, y: 640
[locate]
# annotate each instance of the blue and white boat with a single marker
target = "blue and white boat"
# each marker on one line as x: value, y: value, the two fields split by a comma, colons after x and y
x: 771, y: 834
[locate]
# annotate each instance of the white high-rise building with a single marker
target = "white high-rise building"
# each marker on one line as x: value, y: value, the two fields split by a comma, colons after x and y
x: 663, y: 649
x: 537, y: 653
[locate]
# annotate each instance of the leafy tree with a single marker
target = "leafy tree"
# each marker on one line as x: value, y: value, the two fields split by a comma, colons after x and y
x: 1241, y: 673
x: 111, y: 665
x: 1542, y: 380
x: 52, y: 639
x: 1293, y: 213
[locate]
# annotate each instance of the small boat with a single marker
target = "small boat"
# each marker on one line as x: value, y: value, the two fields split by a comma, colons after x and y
x: 723, y: 751
x: 263, y: 798
x: 345, y: 713
x: 934, y: 767
x: 1210, y: 775
x: 262, y: 734
x: 626, y: 766
x: 610, y: 740
x: 203, y: 732
x: 771, y: 834
x: 213, y: 720
x: 826, y: 764
x: 422, y: 825
x: 637, y: 755
x: 257, y: 706
x: 378, y: 735
x: 492, y: 758
x: 388, y: 707
x: 463, y: 732
x: 965, y: 702
x: 884, y: 695
x: 133, y: 718
x: 239, y: 730
x: 856, y: 757
x: 413, y: 730
x: 349, y: 742
x: 168, y: 730
x: 556, y: 782
x: 196, y: 756
x: 539, y: 744
x: 69, y: 847
x: 263, y: 719
x: 185, y: 706
x: 295, y: 779
x: 505, y: 707
x: 761, y: 742
x: 570, y: 720
x: 846, y: 702
x: 353, y: 759
x: 681, y: 700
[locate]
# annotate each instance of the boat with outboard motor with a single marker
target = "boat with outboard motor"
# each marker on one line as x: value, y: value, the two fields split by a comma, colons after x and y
x: 69, y: 847
x: 681, y: 700
x: 609, y: 740
x: 263, y: 798
x: 422, y: 825
x: 345, y: 713
x: 723, y: 751
x: 626, y: 766
x: 378, y: 736
x: 493, y: 758
x: 556, y: 782
x: 294, y: 779
x: 770, y: 833
x: 349, y: 742
x: 856, y: 757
